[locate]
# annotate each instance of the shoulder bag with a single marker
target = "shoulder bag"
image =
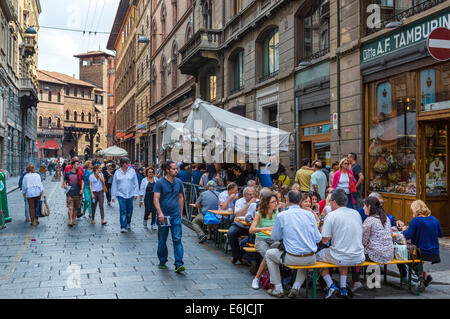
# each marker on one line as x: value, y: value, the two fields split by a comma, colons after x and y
x: 45, y: 211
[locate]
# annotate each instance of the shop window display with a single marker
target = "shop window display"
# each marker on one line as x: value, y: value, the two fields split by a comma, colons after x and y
x: 435, y: 88
x: 436, y: 158
x: 392, y: 136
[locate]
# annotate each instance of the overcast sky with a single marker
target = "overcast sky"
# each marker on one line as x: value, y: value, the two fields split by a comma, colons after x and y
x: 57, y: 48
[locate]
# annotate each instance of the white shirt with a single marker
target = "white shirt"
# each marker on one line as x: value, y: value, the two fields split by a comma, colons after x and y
x: 97, y: 185
x: 144, y: 184
x: 344, y: 183
x: 32, y: 185
x: 223, y: 198
x: 125, y: 184
x: 249, y: 214
x: 344, y: 225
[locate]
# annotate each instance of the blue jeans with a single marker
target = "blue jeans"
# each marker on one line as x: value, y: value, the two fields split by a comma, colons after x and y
x: 126, y: 211
x: 27, y: 208
x: 356, y: 198
x: 163, y: 232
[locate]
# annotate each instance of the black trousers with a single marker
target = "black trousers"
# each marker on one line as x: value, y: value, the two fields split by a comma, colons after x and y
x: 233, y: 239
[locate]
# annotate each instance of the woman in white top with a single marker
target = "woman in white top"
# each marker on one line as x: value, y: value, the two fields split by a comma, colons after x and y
x: 32, y: 190
x: 96, y: 181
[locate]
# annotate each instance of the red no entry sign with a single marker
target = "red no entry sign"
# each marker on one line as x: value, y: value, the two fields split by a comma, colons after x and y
x: 439, y: 44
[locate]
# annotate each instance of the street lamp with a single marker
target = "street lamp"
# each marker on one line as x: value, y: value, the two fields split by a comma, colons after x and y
x: 394, y: 24
x: 30, y: 30
x: 143, y: 39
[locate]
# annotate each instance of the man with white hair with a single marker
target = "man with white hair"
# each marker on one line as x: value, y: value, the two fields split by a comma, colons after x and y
x: 243, y: 206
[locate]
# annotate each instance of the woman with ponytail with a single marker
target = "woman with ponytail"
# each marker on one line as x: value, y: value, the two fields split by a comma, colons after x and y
x: 377, y: 233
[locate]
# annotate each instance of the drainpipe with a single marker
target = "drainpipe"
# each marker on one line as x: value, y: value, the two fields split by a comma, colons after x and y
x: 338, y: 68
x: 297, y: 137
x: 223, y: 53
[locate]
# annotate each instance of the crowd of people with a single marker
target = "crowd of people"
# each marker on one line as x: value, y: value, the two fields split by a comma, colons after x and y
x: 321, y: 217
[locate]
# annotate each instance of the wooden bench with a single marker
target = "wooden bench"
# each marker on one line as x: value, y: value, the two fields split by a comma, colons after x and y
x: 250, y: 249
x: 321, y: 265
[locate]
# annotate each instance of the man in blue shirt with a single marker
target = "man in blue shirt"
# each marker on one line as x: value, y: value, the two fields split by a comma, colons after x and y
x: 298, y: 230
x: 169, y: 202
x: 184, y: 173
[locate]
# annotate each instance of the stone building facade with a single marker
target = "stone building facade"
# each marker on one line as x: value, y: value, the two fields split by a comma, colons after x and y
x: 72, y: 128
x: 172, y: 93
x: 123, y: 40
x: 18, y: 83
x: 95, y: 68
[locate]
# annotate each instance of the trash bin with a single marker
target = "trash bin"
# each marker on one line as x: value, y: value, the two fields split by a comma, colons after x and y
x: 4, y: 212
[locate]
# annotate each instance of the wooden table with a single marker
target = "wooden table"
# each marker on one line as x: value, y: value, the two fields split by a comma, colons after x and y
x: 223, y: 213
x: 267, y: 232
x: 243, y: 222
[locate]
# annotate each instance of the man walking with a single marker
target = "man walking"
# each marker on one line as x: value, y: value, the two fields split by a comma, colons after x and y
x: 169, y: 203
x: 73, y: 184
x: 357, y: 172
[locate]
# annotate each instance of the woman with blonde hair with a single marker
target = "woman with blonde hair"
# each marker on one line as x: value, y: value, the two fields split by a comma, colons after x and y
x: 96, y: 186
x: 424, y: 231
x: 344, y: 179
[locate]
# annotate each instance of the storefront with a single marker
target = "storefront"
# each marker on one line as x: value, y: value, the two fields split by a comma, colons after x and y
x: 312, y: 98
x: 407, y: 120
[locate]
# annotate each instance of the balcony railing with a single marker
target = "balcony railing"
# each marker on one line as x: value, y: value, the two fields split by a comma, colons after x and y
x: 203, y: 39
x: 420, y: 7
x: 316, y: 55
x: 268, y: 76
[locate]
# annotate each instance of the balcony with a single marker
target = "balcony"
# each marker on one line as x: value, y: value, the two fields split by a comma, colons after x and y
x: 29, y: 45
x: 399, y: 16
x: 28, y: 93
x: 200, y: 49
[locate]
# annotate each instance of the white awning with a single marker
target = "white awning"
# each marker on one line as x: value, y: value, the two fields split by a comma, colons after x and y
x: 113, y: 151
x: 173, y: 134
x: 238, y: 132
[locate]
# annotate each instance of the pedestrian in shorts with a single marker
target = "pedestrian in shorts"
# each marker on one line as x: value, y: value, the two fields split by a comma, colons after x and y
x: 73, y: 184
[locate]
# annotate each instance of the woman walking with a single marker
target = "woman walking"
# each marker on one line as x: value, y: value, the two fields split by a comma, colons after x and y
x: 109, y: 176
x: 124, y: 187
x: 32, y: 190
x: 344, y: 179
x: 264, y: 220
x: 146, y: 193
x: 87, y: 204
x: 96, y: 182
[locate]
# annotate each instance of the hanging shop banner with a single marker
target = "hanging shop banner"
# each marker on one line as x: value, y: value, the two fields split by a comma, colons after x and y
x: 408, y: 36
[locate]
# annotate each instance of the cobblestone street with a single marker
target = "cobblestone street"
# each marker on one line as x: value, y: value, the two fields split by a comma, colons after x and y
x: 34, y: 261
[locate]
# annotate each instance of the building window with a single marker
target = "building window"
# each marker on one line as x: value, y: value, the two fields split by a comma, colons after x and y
x: 86, y: 138
x: 82, y: 117
x: 316, y: 29
x: 40, y: 121
x: 207, y: 15
x: 67, y: 115
x: 163, y: 76
x: 235, y: 7
x: 59, y: 97
x: 82, y: 93
x: 49, y: 122
x: 212, y: 87
x: 58, y: 123
x: 174, y: 66
x: 273, y: 116
x: 189, y: 31
x: 75, y: 116
x: 99, y: 99
x: 174, y: 12
x: 154, y: 30
x: 270, y: 54
x: 99, y: 122
x: 237, y: 65
x: 89, y: 94
x: 67, y: 91
x: 49, y: 96
x: 41, y: 95
x: 75, y: 92
x: 89, y: 118
x: 98, y: 138
x: 163, y: 20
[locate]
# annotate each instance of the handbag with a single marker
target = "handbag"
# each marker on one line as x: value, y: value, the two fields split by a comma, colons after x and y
x: 265, y: 280
x: 44, y: 211
x: 210, y: 219
x: 105, y: 189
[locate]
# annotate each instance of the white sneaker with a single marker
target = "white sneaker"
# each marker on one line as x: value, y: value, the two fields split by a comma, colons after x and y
x: 128, y: 227
x: 155, y: 227
x: 123, y: 230
x: 255, y: 283
x: 145, y: 223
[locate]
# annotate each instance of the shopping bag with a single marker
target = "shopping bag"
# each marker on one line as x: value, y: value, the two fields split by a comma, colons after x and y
x: 44, y: 209
x: 210, y: 219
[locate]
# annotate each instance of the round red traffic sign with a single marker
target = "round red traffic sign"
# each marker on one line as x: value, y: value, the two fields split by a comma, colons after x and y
x: 439, y: 44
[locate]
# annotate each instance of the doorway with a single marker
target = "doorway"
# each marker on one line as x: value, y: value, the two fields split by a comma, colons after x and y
x: 434, y: 161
